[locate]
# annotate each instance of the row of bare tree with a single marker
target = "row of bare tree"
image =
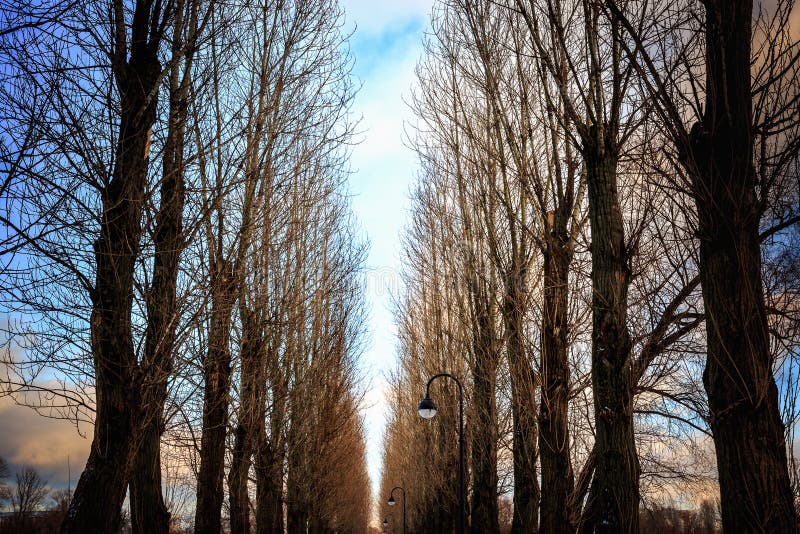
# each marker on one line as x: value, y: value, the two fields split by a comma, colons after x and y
x: 181, y: 269
x: 604, y: 248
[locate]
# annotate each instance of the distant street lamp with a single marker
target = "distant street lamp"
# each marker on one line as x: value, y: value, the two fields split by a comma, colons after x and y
x: 392, y: 502
x: 427, y: 409
x: 385, y: 524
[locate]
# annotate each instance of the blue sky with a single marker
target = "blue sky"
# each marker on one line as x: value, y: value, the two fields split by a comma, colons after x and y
x: 387, y: 44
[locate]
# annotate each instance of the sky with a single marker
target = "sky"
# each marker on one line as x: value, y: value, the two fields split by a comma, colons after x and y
x: 386, y: 44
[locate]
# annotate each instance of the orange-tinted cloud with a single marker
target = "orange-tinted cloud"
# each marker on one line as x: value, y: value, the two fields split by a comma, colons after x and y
x: 44, y: 443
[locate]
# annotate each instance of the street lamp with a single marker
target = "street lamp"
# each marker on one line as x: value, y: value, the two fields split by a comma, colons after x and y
x: 385, y: 524
x: 392, y: 502
x: 427, y: 409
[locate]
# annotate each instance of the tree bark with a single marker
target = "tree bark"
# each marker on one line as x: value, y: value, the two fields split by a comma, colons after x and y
x: 613, y: 502
x: 269, y: 465
x: 523, y: 406
x: 554, y: 440
x: 216, y: 374
x: 251, y: 411
x: 296, y: 509
x: 149, y: 514
x: 749, y: 435
x: 269, y: 484
x: 239, y: 500
x: 96, y: 504
x: 484, y: 513
x: 148, y: 511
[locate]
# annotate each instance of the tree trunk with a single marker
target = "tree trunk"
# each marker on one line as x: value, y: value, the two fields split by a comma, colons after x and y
x: 216, y: 374
x: 554, y: 441
x: 149, y: 514
x: 484, y: 513
x: 526, y: 484
x: 238, y: 496
x: 148, y: 511
x: 749, y: 435
x: 296, y: 509
x: 269, y: 466
x: 523, y: 407
x: 269, y: 497
x: 613, y: 502
x: 96, y: 504
x: 251, y: 411
x: 296, y: 516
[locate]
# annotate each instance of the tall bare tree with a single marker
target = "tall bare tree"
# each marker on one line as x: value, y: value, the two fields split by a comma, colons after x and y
x: 137, y: 70
x: 148, y: 510
x: 731, y: 194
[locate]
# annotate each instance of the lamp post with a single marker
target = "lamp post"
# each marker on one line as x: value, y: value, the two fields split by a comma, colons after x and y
x: 427, y: 409
x: 385, y: 524
x: 392, y: 502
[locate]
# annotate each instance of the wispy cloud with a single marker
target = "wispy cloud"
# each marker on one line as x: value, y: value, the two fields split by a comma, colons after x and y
x: 376, y: 17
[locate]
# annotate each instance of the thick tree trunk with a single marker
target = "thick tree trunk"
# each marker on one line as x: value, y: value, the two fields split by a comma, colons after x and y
x: 216, y: 374
x: 523, y: 406
x: 745, y: 420
x: 149, y: 514
x: 96, y: 504
x: 613, y: 502
x: 554, y: 441
x: 148, y: 511
x: 484, y: 516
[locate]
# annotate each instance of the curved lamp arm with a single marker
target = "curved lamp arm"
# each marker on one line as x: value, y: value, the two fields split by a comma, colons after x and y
x: 448, y: 375
x: 392, y: 501
x: 391, y: 493
x: 427, y: 409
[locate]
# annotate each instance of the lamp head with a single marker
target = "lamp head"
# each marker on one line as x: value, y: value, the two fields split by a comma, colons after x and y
x: 391, y: 501
x: 426, y: 408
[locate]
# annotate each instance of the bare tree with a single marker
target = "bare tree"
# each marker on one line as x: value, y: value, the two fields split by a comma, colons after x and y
x: 110, y: 196
x: 137, y: 70
x: 148, y: 510
x: 601, y: 130
x: 29, y: 493
x: 743, y: 101
x: 5, y: 473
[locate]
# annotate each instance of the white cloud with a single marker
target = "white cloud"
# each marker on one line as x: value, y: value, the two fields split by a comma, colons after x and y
x: 376, y: 17
x: 387, y: 46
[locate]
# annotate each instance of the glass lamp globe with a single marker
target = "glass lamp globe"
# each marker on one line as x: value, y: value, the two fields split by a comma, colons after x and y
x: 426, y: 408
